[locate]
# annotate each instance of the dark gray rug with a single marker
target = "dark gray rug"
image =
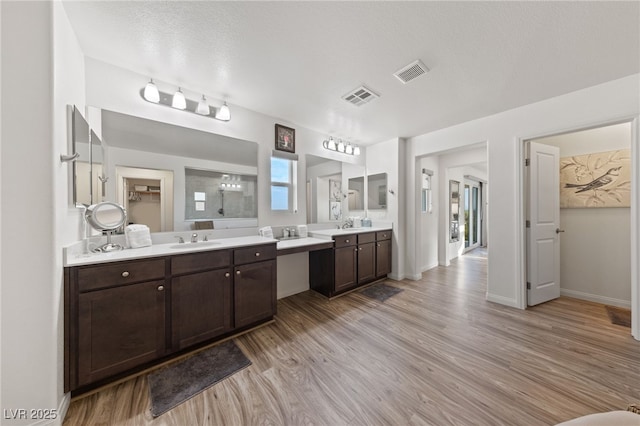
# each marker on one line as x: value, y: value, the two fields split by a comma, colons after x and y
x: 619, y: 316
x: 381, y: 291
x: 174, y: 384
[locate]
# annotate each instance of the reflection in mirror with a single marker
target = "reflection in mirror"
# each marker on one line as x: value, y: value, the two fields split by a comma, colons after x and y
x: 216, y: 195
x: 328, y: 186
x: 80, y: 139
x: 377, y: 191
x: 355, y: 195
x: 143, y: 144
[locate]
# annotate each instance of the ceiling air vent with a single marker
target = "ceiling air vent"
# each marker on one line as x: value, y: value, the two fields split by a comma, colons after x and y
x: 411, y: 71
x: 360, y: 96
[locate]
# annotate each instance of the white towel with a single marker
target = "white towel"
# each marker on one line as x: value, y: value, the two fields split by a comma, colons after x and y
x: 266, y: 232
x: 302, y: 231
x: 137, y: 236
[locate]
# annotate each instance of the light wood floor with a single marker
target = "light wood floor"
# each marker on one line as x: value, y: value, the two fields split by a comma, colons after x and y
x: 435, y: 354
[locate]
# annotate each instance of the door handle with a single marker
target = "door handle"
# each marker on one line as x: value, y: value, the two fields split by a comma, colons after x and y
x: 558, y: 230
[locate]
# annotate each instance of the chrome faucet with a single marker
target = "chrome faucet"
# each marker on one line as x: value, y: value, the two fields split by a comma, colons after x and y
x: 194, y: 238
x: 347, y: 224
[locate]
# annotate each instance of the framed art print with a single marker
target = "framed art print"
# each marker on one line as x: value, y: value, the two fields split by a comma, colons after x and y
x: 285, y: 138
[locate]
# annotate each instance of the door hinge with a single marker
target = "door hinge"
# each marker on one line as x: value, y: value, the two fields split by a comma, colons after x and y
x: 528, y: 285
x: 526, y: 161
x: 527, y: 224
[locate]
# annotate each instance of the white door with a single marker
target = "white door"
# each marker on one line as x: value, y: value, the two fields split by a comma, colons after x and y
x: 543, y: 241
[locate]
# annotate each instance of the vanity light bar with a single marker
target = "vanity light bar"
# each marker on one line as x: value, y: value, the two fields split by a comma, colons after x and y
x: 150, y: 93
x: 340, y: 146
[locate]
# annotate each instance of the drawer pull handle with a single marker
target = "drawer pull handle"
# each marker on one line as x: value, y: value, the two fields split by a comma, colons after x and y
x: 378, y: 244
x: 346, y: 241
x: 160, y: 287
x: 356, y: 249
x: 257, y: 254
x: 226, y: 275
x: 237, y: 272
x: 125, y: 274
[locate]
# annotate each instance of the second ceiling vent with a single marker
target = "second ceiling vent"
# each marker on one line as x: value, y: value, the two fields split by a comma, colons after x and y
x: 360, y: 96
x: 411, y: 71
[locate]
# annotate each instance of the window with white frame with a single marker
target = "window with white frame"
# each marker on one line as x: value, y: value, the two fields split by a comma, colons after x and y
x: 427, y: 203
x: 284, y: 176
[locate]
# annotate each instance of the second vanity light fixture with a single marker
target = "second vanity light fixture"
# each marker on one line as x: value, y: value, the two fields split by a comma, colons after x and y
x: 340, y: 146
x: 151, y: 94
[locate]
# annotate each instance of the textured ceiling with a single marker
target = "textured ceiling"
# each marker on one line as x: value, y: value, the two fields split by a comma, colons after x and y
x: 295, y: 60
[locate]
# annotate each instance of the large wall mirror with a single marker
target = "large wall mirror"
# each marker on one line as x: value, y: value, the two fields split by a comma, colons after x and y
x: 147, y: 163
x: 328, y: 189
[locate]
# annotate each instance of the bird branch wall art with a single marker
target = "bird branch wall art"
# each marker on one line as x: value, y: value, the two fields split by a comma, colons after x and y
x: 600, y: 179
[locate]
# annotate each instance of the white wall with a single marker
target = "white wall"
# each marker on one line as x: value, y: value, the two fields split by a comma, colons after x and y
x: 594, y: 258
x: 42, y: 72
x: 503, y: 133
x: 388, y: 157
x: 430, y: 229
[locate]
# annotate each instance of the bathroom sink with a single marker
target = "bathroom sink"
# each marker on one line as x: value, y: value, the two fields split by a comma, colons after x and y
x: 199, y: 244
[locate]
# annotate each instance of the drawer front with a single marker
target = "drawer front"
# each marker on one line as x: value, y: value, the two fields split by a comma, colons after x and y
x: 254, y: 254
x: 383, y: 235
x: 345, y: 240
x: 112, y: 275
x: 369, y: 237
x: 201, y: 261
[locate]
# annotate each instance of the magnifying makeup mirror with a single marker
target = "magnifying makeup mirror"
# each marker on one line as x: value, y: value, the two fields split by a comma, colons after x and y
x: 106, y: 217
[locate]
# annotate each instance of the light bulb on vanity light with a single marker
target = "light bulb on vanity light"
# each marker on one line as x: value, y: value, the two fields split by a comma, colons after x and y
x: 356, y: 150
x: 223, y: 113
x: 179, y: 101
x: 348, y: 149
x: 341, y: 146
x: 203, y: 107
x: 151, y: 92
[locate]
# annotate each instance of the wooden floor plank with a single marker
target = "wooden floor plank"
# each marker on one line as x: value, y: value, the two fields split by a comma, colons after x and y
x: 435, y: 353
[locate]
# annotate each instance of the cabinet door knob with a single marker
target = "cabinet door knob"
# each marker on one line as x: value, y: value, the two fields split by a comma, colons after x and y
x: 125, y: 274
x: 226, y: 275
x: 160, y: 287
x: 237, y: 272
x: 384, y: 235
x: 346, y: 241
x: 378, y: 244
x: 257, y: 254
x: 360, y: 248
x: 355, y: 249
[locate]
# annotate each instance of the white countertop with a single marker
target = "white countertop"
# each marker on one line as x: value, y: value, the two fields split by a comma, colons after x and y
x: 330, y: 233
x: 75, y: 259
x: 299, y: 242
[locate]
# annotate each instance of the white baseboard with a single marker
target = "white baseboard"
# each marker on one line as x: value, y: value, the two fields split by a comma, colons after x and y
x: 502, y: 300
x: 430, y: 266
x: 415, y: 277
x: 596, y: 298
x: 397, y: 277
x: 61, y: 413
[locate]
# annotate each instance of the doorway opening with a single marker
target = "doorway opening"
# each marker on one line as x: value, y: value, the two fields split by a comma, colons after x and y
x: 147, y: 196
x: 593, y: 226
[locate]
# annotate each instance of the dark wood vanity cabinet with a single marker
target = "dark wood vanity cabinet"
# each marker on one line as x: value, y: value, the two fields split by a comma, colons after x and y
x: 200, y: 307
x: 119, y: 328
x: 383, y: 254
x: 345, y: 264
x: 126, y: 315
x: 355, y: 260
x: 254, y: 293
